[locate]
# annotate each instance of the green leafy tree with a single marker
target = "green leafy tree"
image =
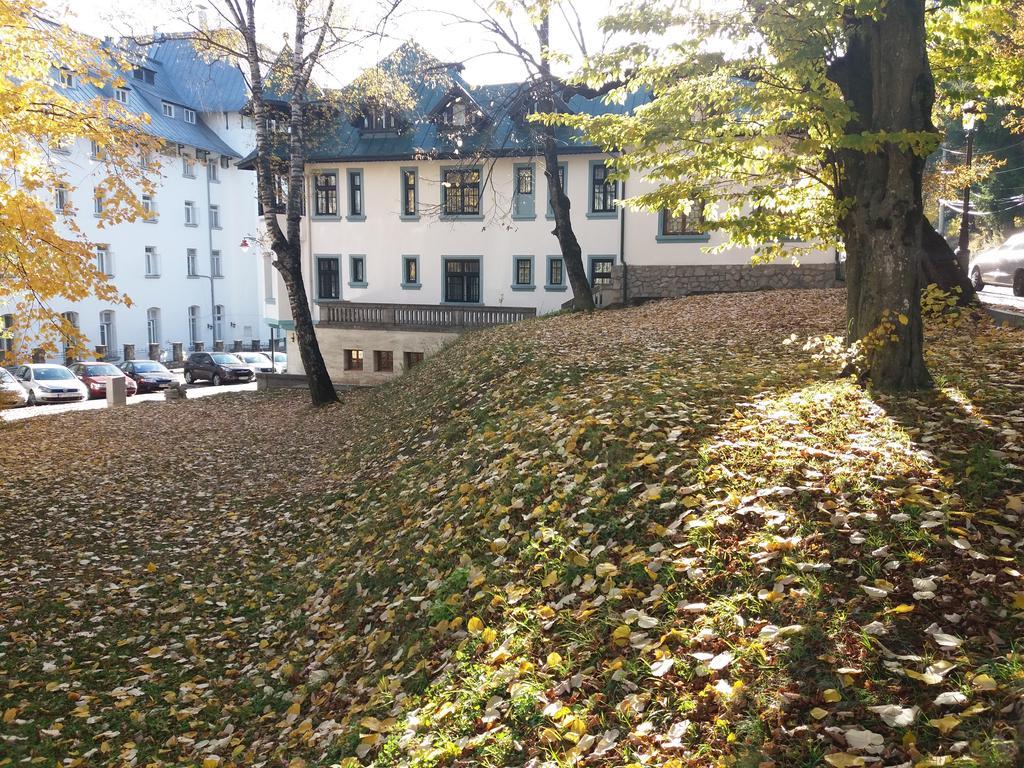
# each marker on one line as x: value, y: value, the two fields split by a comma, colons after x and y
x: 806, y: 122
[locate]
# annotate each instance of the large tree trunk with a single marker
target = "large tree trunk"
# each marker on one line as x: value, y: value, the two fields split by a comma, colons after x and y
x: 884, y: 75
x: 940, y: 266
x: 572, y: 254
x: 321, y: 388
x: 286, y: 245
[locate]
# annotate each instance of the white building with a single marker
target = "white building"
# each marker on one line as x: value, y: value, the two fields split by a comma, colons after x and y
x: 183, y: 269
x: 424, y: 223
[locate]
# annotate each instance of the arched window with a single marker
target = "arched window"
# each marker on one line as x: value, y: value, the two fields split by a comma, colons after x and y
x: 153, y: 325
x: 71, y: 319
x: 6, y: 336
x: 218, y: 322
x: 108, y: 330
x: 193, y: 325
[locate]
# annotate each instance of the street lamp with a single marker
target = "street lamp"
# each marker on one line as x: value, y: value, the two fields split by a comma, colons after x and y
x: 245, y: 246
x: 963, y: 253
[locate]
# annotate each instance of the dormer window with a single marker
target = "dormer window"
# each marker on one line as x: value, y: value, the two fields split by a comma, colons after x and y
x: 168, y: 109
x: 381, y: 119
x: 456, y: 115
x: 190, y: 115
x: 67, y: 78
x: 121, y: 95
x: 145, y: 75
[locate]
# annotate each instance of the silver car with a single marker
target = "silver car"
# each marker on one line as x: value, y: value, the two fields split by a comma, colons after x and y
x: 1000, y: 266
x: 258, y: 361
x: 50, y: 383
x: 12, y: 394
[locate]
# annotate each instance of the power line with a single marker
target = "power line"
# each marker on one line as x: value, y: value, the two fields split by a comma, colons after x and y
x: 980, y: 152
x: 1008, y: 170
x: 957, y: 207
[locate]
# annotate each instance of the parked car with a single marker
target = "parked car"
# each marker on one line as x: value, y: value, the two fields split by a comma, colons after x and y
x: 47, y: 383
x: 280, y: 362
x: 218, y: 368
x: 258, y: 361
x: 148, y: 375
x: 12, y: 394
x: 95, y: 376
x: 1000, y: 266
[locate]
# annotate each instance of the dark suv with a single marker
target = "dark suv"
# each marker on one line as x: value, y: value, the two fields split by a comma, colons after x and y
x: 217, y: 367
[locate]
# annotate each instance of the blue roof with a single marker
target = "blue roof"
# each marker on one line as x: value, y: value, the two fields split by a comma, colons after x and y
x: 503, y: 131
x: 206, y: 84
x: 185, y: 80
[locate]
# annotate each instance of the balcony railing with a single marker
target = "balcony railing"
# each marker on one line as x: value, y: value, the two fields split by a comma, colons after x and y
x: 430, y: 317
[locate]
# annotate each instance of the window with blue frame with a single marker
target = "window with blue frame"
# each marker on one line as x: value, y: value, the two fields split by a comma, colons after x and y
x: 357, y: 271
x: 355, y: 193
x: 462, y: 280
x: 523, y: 191
x: 409, y: 202
x: 675, y: 224
x: 328, y: 278
x: 460, y: 192
x: 556, y: 272
x: 522, y: 276
x: 410, y: 270
x: 601, y: 272
x: 603, y: 191
x: 325, y: 194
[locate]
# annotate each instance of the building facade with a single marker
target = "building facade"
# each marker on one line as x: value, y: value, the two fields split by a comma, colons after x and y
x: 424, y: 223
x: 184, y: 268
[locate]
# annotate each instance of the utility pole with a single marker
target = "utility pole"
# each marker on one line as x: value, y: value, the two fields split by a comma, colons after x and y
x: 963, y: 252
x: 942, y: 207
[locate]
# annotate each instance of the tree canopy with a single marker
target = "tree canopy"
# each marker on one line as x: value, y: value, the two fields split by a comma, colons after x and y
x: 789, y: 124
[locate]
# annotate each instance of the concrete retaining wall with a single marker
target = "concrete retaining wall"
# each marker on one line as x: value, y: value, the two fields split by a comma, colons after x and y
x: 334, y: 341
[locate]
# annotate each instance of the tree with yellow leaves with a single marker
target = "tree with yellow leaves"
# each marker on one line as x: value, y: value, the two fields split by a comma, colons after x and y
x: 56, y: 88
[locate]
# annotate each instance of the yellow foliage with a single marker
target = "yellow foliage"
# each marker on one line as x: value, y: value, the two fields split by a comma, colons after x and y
x: 44, y: 254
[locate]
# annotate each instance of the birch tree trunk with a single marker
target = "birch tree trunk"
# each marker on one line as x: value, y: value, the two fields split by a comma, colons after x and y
x: 568, y: 244
x: 286, y: 244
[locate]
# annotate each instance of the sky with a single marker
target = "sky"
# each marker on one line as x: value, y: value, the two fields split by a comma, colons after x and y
x: 428, y: 22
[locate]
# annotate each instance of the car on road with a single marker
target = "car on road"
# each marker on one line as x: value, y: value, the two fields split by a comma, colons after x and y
x: 49, y: 383
x: 1003, y: 265
x: 95, y: 375
x: 12, y: 394
x: 148, y: 375
x: 258, y: 361
x: 217, y: 368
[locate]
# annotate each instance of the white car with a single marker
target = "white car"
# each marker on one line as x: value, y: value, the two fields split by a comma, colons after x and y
x: 280, y: 362
x: 12, y: 394
x: 1000, y: 266
x: 48, y: 383
x: 258, y: 361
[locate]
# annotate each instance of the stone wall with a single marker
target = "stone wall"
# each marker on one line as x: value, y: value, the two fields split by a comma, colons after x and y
x: 668, y: 281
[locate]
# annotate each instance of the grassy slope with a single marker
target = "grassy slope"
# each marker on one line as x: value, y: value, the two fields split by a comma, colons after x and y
x: 652, y: 537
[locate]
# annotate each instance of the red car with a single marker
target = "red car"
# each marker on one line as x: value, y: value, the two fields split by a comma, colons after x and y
x: 95, y: 376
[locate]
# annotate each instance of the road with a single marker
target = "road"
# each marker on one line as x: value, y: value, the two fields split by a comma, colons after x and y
x: 1000, y: 296
x: 199, y: 390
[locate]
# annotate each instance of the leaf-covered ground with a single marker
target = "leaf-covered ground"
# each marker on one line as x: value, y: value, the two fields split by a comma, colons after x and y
x: 657, y: 536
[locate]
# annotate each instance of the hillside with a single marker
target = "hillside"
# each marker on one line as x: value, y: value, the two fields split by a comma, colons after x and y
x: 658, y: 536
